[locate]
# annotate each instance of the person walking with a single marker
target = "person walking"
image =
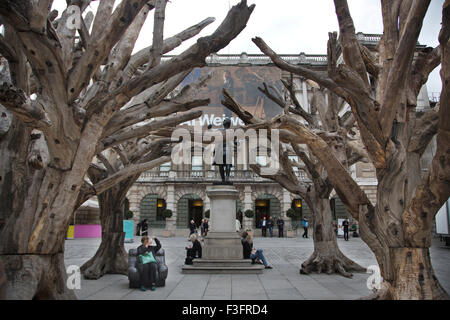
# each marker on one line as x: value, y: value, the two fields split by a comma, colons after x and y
x: 305, y: 228
x: 270, y: 226
x: 280, y: 224
x: 147, y: 271
x: 251, y: 253
x: 264, y: 227
x: 144, y: 228
x: 345, y: 225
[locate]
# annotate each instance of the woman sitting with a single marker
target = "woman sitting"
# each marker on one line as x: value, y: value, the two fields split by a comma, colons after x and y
x: 194, y: 250
x: 257, y: 256
x: 148, y: 271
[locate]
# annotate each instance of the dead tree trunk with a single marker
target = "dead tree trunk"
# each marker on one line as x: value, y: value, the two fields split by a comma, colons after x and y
x: 111, y: 256
x: 327, y: 257
x: 398, y: 228
x: 80, y: 86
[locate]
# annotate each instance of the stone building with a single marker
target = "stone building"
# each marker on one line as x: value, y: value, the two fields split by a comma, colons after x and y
x: 182, y: 187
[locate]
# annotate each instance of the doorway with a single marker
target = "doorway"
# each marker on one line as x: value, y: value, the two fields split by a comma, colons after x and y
x: 262, y: 208
x: 195, y: 211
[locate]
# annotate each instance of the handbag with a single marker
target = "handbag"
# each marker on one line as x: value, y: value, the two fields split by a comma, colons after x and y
x: 147, y: 258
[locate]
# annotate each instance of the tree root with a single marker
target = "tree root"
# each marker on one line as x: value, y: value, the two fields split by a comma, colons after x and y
x: 329, y: 263
x: 110, y: 257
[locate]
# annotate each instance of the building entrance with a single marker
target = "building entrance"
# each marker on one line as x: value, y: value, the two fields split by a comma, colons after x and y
x: 195, y: 211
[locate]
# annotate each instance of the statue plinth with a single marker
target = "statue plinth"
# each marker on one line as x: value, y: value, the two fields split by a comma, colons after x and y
x: 222, y: 251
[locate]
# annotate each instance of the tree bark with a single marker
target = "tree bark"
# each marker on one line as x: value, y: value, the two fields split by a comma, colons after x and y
x: 111, y: 256
x: 327, y: 257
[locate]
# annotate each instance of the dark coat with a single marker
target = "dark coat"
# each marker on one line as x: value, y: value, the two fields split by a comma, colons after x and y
x: 247, y: 248
x: 196, y: 250
x: 153, y: 249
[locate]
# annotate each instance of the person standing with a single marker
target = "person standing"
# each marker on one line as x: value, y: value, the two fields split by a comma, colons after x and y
x: 280, y: 224
x: 305, y: 228
x: 345, y: 225
x: 270, y: 226
x: 202, y: 227
x: 264, y: 227
x: 144, y: 228
x: 238, y: 225
x: 192, y: 228
x: 206, y: 227
x: 147, y: 271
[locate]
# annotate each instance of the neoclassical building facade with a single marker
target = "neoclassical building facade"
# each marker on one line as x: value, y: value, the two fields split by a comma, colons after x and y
x: 182, y: 188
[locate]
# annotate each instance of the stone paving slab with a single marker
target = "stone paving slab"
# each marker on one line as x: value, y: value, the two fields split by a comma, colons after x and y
x: 282, y: 282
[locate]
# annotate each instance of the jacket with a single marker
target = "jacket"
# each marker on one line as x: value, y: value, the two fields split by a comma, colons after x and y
x: 247, y: 248
x: 153, y: 249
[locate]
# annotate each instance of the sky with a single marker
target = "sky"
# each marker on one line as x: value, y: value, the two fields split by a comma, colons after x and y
x: 287, y: 26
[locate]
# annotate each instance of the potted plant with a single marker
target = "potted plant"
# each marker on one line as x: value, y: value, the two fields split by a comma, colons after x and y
x: 129, y: 215
x: 290, y: 213
x: 249, y: 213
x: 167, y: 214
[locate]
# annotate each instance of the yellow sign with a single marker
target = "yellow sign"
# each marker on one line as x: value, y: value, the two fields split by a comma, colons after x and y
x: 70, y: 232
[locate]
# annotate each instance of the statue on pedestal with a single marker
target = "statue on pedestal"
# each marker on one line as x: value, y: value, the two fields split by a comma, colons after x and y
x: 221, y: 150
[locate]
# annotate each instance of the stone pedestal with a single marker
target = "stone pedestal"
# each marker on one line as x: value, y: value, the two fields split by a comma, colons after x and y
x: 222, y: 250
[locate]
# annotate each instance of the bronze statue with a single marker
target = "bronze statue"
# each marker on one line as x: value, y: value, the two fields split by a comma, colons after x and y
x: 220, y: 158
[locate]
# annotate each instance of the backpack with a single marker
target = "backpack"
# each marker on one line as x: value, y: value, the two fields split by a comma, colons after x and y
x: 188, y: 260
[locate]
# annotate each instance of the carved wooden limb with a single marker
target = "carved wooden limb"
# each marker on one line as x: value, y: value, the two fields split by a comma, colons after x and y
x: 101, y: 45
x: 425, y: 129
x: 158, y: 33
x: 142, y: 131
x: 129, y: 171
x: 29, y: 111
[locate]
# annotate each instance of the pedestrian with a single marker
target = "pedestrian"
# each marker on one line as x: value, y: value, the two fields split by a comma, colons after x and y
x: 238, y: 225
x: 345, y: 225
x: 305, y: 228
x: 194, y: 250
x: 144, y: 228
x: 206, y: 227
x: 270, y: 226
x: 192, y: 228
x: 202, y: 227
x: 249, y: 252
x: 264, y: 226
x: 138, y: 229
x: 147, y: 269
x: 280, y: 224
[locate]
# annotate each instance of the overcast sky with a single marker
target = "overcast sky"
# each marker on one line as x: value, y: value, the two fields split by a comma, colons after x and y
x: 288, y: 26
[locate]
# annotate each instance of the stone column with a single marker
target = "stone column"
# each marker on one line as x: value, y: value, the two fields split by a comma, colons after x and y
x: 170, y: 204
x: 285, y: 205
x: 248, y: 204
x: 222, y: 241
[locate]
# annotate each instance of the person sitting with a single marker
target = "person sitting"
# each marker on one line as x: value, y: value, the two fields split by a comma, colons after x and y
x: 194, y: 250
x: 148, y: 270
x: 251, y: 253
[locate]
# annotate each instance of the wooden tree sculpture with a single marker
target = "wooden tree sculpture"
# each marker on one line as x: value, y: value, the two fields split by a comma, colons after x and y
x: 398, y: 228
x: 327, y: 257
x: 73, y: 92
x: 112, y: 181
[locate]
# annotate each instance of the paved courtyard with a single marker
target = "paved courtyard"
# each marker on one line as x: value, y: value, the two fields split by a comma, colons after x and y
x: 282, y: 282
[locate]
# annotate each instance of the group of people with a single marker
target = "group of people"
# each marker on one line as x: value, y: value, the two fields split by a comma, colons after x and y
x: 204, y: 227
x: 269, y: 224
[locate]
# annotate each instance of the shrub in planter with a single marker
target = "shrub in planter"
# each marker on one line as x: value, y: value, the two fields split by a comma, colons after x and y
x: 207, y: 214
x: 292, y: 214
x: 128, y: 215
x: 167, y: 213
x: 249, y: 213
